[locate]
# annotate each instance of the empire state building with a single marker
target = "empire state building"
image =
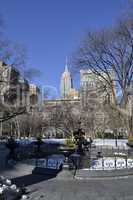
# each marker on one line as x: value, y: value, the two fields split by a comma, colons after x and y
x: 66, y: 83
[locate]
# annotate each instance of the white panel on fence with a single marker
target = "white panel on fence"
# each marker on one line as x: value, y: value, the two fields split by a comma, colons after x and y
x: 129, y: 163
x: 109, y: 164
x: 97, y: 164
x: 41, y: 163
x: 60, y: 162
x: 120, y: 163
x: 52, y: 164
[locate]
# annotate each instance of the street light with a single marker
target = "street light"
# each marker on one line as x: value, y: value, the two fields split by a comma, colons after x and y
x: 116, y: 137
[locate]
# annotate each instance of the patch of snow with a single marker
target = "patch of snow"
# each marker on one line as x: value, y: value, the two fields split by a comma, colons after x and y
x: 1, y: 190
x: 110, y: 142
x: 24, y: 197
x: 97, y: 142
x: 120, y: 154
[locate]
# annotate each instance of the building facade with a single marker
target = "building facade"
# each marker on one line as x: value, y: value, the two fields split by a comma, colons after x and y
x: 14, y: 89
x: 94, y: 93
x: 34, y: 94
x: 65, y: 83
x: 93, y: 87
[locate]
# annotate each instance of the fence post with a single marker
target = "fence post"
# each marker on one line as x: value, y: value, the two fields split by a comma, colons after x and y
x: 126, y: 161
x: 103, y: 163
x: 115, y: 163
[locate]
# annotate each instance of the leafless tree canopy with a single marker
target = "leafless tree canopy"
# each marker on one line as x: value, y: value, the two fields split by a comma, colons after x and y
x: 64, y: 118
x: 108, y: 53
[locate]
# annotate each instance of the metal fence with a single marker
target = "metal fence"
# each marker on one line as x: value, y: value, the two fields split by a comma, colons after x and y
x: 104, y: 158
x: 110, y: 163
x: 111, y: 151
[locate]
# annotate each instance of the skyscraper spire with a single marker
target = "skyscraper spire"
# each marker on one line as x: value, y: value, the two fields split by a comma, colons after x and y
x: 66, y: 65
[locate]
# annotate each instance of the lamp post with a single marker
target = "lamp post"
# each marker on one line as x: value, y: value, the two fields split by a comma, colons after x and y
x: 116, y: 137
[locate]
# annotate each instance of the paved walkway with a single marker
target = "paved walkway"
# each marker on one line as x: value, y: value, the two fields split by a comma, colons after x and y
x: 60, y: 188
x: 83, y: 190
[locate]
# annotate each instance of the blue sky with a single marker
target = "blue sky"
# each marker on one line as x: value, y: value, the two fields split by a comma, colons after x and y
x: 52, y: 29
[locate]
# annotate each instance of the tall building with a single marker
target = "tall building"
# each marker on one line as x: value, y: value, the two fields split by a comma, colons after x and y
x: 94, y: 87
x: 13, y: 88
x: 94, y: 93
x: 130, y: 99
x: 34, y: 93
x: 66, y: 83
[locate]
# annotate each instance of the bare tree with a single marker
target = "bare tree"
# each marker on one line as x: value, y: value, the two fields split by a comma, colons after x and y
x: 64, y: 118
x: 29, y: 124
x: 108, y: 54
x: 12, y: 56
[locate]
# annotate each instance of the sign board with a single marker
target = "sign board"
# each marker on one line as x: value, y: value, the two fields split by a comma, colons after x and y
x: 49, y: 163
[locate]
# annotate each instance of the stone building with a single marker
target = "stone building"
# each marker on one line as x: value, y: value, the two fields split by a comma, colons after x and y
x: 94, y: 93
x: 34, y: 93
x: 14, y: 96
x: 130, y: 100
x: 94, y: 87
x: 14, y: 89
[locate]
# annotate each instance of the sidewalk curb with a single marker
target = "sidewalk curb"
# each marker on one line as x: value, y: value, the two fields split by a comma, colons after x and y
x: 103, y: 178
x: 114, y: 174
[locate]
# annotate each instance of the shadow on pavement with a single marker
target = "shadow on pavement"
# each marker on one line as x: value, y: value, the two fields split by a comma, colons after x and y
x: 31, y: 179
